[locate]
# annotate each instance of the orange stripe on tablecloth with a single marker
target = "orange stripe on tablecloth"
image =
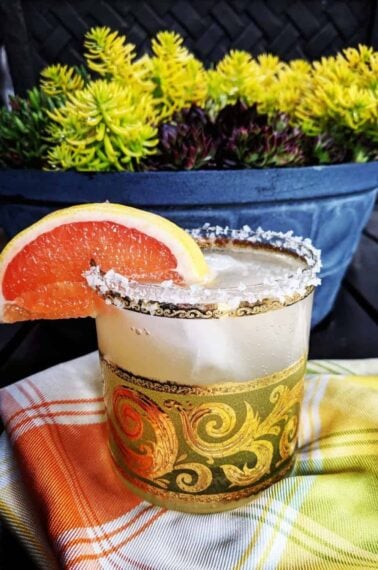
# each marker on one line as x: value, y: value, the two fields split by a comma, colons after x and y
x: 10, y: 430
x: 106, y: 534
x: 115, y: 548
x: 85, y: 511
x: 78, y: 463
x: 61, y: 487
x: 53, y: 403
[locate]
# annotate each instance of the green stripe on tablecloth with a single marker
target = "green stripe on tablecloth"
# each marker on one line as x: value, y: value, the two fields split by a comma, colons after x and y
x: 366, y: 366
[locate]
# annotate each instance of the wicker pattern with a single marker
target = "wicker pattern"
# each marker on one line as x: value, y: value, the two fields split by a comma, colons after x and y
x: 45, y: 31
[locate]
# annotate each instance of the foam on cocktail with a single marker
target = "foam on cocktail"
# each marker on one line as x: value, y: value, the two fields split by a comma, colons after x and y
x: 241, y: 268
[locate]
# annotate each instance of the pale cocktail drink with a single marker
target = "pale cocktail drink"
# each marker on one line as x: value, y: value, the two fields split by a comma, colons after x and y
x: 203, y: 384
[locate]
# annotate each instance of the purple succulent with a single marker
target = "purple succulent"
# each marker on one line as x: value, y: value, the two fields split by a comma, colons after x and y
x: 240, y: 137
x: 186, y: 143
x: 250, y: 140
x: 342, y: 146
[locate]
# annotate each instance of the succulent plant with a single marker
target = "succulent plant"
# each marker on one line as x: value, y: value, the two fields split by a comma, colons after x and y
x: 249, y: 139
x: 238, y: 76
x: 343, y: 95
x: 239, y: 137
x: 60, y: 80
x: 166, y: 111
x: 114, y: 59
x: 102, y: 127
x: 179, y: 79
x: 23, y: 129
x: 188, y: 142
x: 342, y: 146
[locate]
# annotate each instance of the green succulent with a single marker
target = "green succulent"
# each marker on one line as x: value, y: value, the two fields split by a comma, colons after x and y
x: 23, y: 129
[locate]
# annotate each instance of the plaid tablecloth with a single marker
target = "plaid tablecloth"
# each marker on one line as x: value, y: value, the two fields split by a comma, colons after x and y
x: 61, y: 496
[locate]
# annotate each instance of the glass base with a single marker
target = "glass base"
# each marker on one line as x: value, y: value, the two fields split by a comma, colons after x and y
x: 200, y: 504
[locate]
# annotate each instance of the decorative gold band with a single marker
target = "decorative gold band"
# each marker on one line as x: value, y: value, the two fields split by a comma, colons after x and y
x: 183, y: 446
x: 169, y: 387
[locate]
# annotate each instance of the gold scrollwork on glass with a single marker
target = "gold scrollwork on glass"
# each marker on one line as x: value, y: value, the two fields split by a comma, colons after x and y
x: 203, y: 444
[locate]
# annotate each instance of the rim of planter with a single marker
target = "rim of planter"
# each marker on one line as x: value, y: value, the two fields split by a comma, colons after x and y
x: 205, y: 187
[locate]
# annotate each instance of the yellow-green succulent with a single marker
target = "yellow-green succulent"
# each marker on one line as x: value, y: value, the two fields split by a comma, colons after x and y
x: 343, y: 91
x: 238, y: 76
x: 179, y: 78
x: 290, y: 84
x: 108, y: 54
x: 60, y: 79
x: 102, y: 127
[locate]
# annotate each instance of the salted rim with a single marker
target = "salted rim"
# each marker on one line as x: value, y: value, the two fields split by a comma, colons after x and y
x: 289, y: 288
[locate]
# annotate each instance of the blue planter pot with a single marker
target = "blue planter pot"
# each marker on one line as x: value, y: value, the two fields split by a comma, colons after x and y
x: 329, y: 204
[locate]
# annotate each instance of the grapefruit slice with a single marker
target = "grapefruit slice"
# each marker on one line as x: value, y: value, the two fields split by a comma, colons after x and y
x: 41, y: 268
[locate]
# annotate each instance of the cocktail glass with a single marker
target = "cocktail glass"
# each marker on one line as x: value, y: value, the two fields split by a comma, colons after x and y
x: 203, y: 384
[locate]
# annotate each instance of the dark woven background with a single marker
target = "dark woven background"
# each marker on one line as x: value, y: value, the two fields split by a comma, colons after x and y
x: 38, y: 32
